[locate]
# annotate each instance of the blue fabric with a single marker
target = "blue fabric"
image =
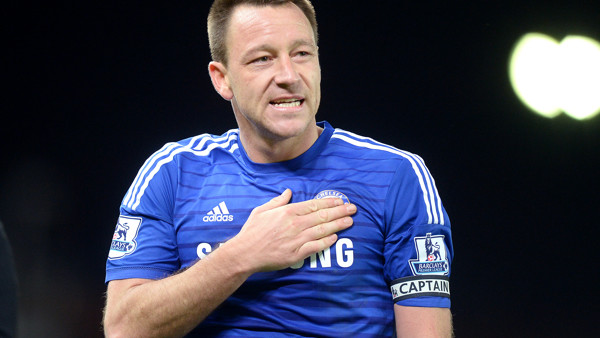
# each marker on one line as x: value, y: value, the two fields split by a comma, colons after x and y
x: 194, y: 194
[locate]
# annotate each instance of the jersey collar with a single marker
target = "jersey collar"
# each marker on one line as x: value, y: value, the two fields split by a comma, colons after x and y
x: 294, y: 163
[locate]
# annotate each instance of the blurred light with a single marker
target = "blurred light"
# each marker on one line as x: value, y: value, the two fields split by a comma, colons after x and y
x: 551, y: 77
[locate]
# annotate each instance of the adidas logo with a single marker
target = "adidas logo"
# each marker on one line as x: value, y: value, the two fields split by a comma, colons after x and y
x: 220, y: 213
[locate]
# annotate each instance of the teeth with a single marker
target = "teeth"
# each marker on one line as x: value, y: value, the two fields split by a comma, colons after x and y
x: 287, y: 103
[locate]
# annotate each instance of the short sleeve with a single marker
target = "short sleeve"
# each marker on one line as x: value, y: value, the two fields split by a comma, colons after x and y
x: 418, y: 247
x: 144, y: 242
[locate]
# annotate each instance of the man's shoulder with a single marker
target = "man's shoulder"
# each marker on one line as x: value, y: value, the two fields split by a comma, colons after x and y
x: 208, y: 141
x: 363, y: 146
x: 191, y: 155
x: 203, y: 148
x: 202, y: 145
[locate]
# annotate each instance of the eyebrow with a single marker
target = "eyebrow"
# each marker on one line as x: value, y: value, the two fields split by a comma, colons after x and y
x: 268, y: 47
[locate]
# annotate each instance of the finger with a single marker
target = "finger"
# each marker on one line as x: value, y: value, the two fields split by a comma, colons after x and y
x: 315, y: 246
x: 323, y: 230
x: 276, y: 202
x: 311, y: 206
x: 329, y: 214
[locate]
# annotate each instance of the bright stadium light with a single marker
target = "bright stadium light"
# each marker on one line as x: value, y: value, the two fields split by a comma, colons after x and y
x: 551, y: 77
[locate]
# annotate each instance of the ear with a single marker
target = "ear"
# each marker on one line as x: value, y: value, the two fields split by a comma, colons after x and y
x: 218, y: 76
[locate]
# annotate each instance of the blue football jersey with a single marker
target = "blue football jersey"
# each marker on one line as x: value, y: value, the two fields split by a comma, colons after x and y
x: 193, y: 195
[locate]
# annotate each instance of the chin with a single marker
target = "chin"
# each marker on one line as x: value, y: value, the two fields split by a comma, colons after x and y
x: 288, y: 128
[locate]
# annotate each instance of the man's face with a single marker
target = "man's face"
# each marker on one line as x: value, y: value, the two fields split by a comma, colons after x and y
x: 273, y: 71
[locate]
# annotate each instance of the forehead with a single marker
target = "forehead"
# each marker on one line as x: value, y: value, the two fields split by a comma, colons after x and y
x: 260, y: 24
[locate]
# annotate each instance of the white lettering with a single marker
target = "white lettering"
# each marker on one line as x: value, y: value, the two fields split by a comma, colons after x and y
x: 218, y: 218
x: 324, y: 259
x: 340, y: 254
x: 343, y: 250
x: 203, y: 249
x: 429, y: 286
x: 297, y: 265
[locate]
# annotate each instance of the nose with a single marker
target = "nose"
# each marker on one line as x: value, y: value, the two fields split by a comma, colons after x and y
x: 286, y: 72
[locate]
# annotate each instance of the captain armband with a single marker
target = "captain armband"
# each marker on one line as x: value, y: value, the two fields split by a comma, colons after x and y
x: 419, y: 286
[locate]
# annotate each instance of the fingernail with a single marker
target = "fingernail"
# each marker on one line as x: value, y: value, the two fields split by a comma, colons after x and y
x: 351, y: 208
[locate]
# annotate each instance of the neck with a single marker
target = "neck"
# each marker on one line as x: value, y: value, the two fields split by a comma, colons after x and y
x: 266, y: 150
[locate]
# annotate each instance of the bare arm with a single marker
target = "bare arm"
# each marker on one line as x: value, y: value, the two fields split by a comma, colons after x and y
x: 282, y: 233
x: 173, y: 306
x: 426, y: 322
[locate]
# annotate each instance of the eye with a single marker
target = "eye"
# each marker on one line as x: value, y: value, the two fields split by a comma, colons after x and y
x: 302, y: 55
x: 261, y: 59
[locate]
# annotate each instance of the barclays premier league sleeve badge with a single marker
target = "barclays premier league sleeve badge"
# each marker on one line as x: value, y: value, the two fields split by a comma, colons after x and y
x: 430, y: 271
x: 123, y: 242
x: 432, y: 258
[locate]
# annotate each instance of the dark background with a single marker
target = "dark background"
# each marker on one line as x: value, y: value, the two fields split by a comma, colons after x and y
x: 91, y: 90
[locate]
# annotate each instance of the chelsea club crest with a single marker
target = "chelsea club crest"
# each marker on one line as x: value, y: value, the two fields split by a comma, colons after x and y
x: 332, y: 194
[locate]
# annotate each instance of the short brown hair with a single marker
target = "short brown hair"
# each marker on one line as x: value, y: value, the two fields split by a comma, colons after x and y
x: 220, y: 13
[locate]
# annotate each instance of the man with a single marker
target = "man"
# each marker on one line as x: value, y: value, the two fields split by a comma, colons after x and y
x: 284, y: 226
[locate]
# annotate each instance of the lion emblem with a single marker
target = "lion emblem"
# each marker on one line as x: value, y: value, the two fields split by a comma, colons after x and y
x: 121, y: 231
x: 432, y: 249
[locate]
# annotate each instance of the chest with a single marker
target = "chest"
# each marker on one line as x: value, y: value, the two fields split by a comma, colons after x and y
x: 212, y: 207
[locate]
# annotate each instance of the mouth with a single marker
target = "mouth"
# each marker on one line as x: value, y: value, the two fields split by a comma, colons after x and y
x: 287, y: 103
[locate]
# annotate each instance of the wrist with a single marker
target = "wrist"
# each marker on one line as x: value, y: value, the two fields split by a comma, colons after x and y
x: 232, y: 257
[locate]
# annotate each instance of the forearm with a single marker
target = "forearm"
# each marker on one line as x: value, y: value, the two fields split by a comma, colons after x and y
x: 173, y: 306
x: 275, y: 236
